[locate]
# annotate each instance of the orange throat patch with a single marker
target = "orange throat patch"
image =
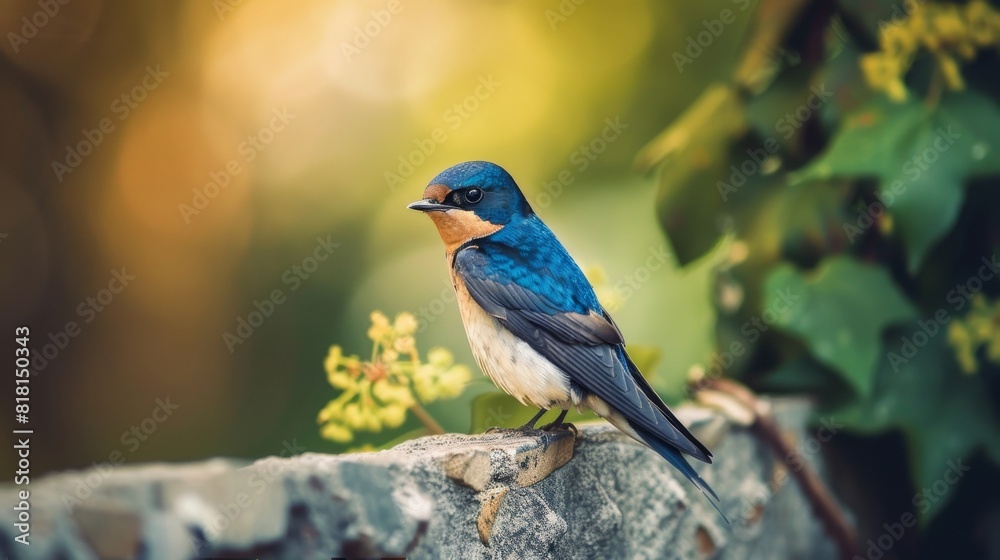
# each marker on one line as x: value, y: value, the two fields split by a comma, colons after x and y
x: 456, y: 227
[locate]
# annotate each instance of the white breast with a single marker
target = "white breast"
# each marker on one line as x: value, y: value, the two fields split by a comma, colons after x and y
x: 508, y: 361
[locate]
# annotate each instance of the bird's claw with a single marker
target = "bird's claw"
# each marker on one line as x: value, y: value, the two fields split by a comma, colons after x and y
x: 560, y: 426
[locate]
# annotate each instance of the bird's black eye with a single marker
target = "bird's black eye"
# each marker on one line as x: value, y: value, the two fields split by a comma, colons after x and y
x: 473, y: 195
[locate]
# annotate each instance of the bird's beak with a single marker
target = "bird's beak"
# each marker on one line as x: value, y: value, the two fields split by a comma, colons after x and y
x: 428, y: 205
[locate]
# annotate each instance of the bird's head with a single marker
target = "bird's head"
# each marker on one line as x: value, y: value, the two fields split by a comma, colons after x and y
x: 472, y: 200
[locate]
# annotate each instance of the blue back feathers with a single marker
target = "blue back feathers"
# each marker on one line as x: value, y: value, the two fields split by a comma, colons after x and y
x: 527, y: 253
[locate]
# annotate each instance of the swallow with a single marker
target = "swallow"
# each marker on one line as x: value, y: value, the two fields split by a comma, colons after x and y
x: 534, y: 324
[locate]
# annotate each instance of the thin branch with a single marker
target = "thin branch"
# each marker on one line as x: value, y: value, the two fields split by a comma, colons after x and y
x: 819, y: 496
x: 427, y: 420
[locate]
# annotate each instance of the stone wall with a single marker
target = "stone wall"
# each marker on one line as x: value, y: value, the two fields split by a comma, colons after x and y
x: 594, y: 494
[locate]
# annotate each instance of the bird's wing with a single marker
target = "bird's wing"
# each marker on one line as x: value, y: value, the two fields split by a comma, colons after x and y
x: 586, y: 345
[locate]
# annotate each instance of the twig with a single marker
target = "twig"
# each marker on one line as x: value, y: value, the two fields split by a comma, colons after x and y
x: 816, y: 491
x: 427, y: 420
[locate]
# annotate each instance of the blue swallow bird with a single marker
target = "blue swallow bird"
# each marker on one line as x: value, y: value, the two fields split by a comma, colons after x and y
x: 532, y: 318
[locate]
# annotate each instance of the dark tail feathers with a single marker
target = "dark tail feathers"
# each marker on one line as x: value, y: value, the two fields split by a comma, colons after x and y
x: 674, y: 457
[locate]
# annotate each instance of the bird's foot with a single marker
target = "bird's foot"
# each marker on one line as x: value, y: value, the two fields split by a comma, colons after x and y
x: 558, y: 426
x: 529, y: 426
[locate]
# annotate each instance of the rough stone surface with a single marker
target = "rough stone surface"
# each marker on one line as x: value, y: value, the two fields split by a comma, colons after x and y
x: 595, y: 494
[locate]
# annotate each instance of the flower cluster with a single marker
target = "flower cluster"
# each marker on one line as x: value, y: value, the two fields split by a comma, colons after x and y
x: 981, y: 327
x: 948, y: 31
x: 377, y: 394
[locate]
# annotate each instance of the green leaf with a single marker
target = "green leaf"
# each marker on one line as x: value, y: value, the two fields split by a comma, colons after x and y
x: 501, y: 410
x: 921, y: 156
x: 944, y: 415
x: 839, y: 311
x: 695, y: 156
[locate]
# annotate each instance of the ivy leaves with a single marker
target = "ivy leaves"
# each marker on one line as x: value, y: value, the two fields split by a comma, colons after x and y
x: 844, y: 307
x: 921, y: 156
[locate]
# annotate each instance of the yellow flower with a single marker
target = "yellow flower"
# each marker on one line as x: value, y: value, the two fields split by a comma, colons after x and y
x: 981, y: 327
x: 353, y: 417
x: 424, y: 383
x: 336, y: 432
x: 884, y: 73
x: 333, y: 357
x: 390, y: 356
x: 380, y: 328
x: 377, y: 393
x: 948, y: 31
x: 405, y: 324
x: 333, y: 409
x: 440, y: 358
x: 453, y: 382
x: 372, y: 421
x: 405, y: 345
x: 983, y: 22
x: 958, y: 335
x: 392, y: 416
x: 948, y: 25
x: 391, y: 393
x: 898, y: 42
x: 352, y: 364
x: 340, y: 379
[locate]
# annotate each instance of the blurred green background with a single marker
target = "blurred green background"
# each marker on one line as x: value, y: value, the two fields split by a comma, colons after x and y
x: 355, y: 105
x: 245, y: 167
